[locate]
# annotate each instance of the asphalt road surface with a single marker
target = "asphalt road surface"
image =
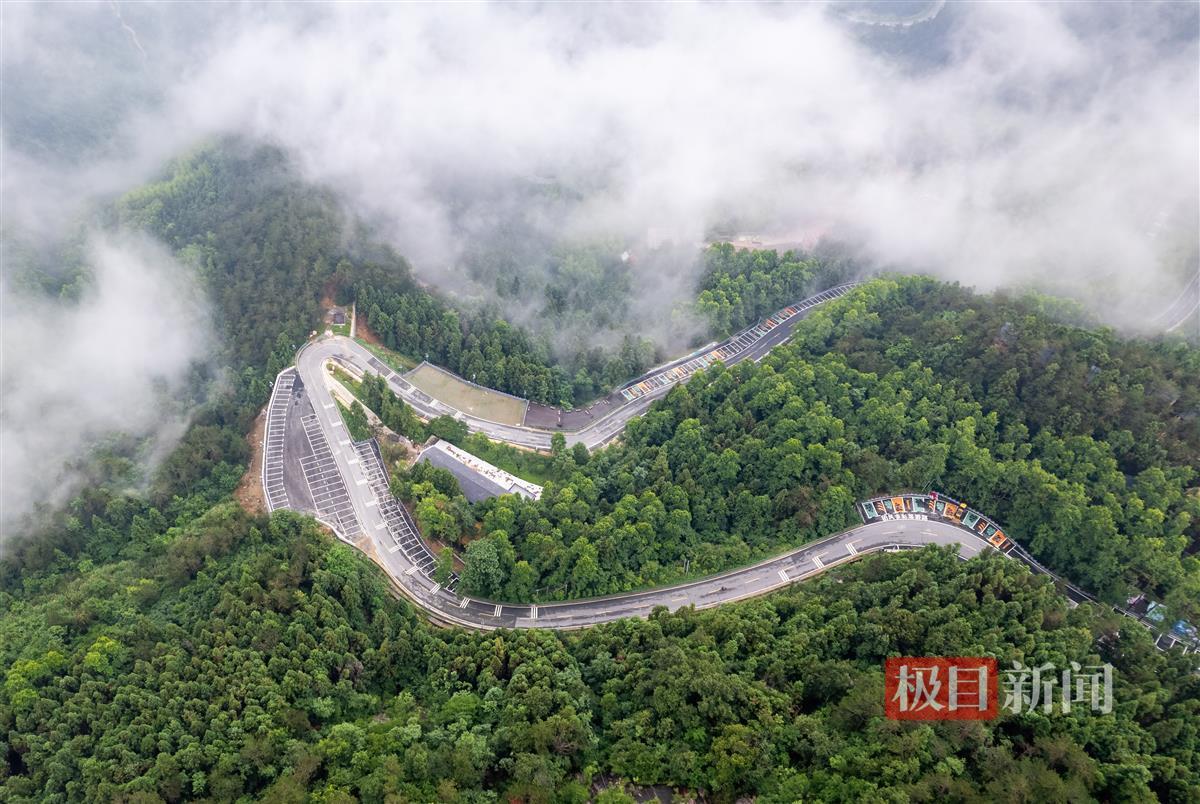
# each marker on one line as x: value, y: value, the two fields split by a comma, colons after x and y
x: 311, y: 396
x: 305, y: 430
x: 598, y: 433
x: 443, y: 605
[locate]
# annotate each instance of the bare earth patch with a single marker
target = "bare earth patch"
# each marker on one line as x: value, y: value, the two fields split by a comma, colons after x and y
x: 361, y: 330
x: 249, y: 491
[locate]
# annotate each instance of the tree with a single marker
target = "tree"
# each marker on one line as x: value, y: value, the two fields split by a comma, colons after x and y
x: 482, y: 574
x: 444, y: 567
x: 558, y: 444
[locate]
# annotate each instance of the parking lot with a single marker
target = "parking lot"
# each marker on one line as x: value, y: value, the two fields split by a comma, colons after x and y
x: 401, y: 529
x: 274, y: 486
x: 729, y: 351
x: 325, y: 485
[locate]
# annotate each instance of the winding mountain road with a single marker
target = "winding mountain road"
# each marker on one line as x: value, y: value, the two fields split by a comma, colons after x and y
x: 360, y: 510
x: 378, y: 538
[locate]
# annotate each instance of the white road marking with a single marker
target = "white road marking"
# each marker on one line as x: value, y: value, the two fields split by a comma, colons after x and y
x: 499, y: 608
x: 464, y: 603
x: 784, y: 576
x: 533, y: 612
x: 437, y: 587
x: 411, y: 570
x: 851, y: 549
x: 817, y: 560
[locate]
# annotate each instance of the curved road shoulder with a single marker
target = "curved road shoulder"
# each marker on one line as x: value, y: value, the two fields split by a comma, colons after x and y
x: 376, y: 539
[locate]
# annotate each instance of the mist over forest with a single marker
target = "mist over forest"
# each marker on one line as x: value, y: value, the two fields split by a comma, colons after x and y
x: 566, y: 164
x: 559, y: 403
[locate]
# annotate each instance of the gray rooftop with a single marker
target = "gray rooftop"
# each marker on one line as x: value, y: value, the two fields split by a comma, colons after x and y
x: 474, y: 486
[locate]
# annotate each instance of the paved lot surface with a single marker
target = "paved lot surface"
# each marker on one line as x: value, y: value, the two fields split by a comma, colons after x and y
x: 286, y: 444
x: 348, y: 486
x: 475, y: 487
x: 462, y: 395
x: 403, y: 555
x: 401, y: 528
x: 598, y: 431
x: 273, y: 436
x: 325, y: 484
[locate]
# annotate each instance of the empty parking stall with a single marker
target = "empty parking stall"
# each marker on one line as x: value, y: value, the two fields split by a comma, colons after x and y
x: 273, y: 446
x: 325, y: 483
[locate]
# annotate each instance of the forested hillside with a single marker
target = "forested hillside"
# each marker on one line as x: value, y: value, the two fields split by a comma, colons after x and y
x: 230, y: 657
x: 486, y: 349
x: 742, y: 286
x: 169, y: 646
x: 1099, y: 482
x: 266, y: 246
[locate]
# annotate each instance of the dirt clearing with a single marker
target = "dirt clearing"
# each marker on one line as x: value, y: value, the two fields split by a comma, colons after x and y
x: 249, y: 491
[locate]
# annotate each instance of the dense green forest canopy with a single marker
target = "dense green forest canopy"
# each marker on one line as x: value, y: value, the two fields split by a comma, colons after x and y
x: 233, y: 656
x: 169, y: 646
x: 905, y: 383
x: 742, y: 286
x: 267, y: 247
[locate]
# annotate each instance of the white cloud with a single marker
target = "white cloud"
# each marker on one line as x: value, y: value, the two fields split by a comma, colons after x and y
x: 71, y: 374
x: 1049, y: 138
x: 1002, y: 143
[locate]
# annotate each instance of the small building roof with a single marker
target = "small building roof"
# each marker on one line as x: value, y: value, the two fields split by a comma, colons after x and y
x: 477, y: 478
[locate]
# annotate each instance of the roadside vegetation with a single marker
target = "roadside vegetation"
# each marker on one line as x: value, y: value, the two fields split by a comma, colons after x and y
x: 202, y: 671
x: 904, y: 383
x: 740, y: 287
x: 395, y: 360
x: 355, y: 419
x: 525, y: 464
x: 170, y: 646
